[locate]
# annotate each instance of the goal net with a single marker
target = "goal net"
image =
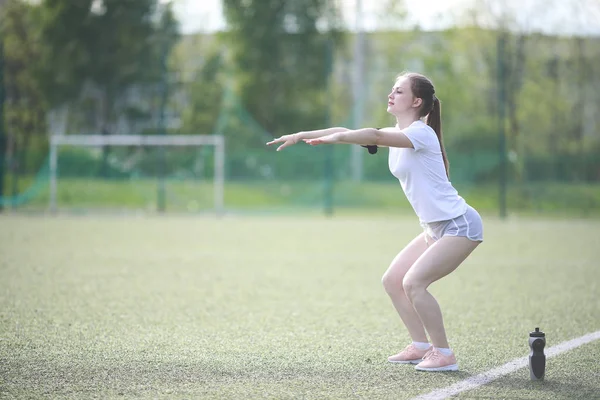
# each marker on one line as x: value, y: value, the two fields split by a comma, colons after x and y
x: 175, y: 173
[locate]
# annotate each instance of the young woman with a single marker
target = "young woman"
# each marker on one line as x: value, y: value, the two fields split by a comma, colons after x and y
x: 451, y: 228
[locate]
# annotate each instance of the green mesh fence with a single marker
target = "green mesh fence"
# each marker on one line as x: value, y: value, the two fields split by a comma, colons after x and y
x: 129, y: 179
x: 319, y: 179
x: 35, y: 187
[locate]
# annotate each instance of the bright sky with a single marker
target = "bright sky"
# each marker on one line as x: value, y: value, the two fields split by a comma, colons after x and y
x: 563, y: 16
x: 206, y: 15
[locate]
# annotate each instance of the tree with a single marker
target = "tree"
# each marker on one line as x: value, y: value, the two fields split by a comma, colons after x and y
x: 2, y: 125
x: 281, y: 52
x: 547, y: 58
x: 101, y: 50
x: 165, y: 38
x: 25, y: 108
x: 205, y: 95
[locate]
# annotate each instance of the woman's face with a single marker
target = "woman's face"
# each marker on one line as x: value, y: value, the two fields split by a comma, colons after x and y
x: 401, y: 100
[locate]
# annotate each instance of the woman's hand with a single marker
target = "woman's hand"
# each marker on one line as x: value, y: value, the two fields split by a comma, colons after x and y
x: 329, y: 139
x: 287, y: 140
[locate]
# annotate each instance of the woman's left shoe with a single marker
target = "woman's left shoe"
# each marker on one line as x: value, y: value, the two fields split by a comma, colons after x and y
x: 436, y: 361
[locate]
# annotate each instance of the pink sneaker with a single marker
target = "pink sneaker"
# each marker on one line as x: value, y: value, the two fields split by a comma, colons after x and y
x: 436, y: 361
x: 410, y: 355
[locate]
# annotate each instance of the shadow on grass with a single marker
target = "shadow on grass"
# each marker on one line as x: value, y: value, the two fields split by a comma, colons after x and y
x: 523, y: 388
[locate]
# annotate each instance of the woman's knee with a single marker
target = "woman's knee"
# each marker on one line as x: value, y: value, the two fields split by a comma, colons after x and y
x: 412, y: 287
x: 392, y: 283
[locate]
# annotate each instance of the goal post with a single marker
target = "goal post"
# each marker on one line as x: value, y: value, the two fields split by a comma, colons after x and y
x: 217, y: 141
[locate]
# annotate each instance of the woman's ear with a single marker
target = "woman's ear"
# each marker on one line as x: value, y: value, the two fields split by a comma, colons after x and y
x: 417, y: 102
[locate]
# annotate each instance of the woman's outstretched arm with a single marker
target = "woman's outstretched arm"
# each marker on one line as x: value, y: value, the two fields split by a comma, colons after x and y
x: 289, y: 140
x: 390, y: 137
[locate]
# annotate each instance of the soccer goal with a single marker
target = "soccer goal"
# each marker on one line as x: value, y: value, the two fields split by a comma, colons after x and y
x: 159, y: 165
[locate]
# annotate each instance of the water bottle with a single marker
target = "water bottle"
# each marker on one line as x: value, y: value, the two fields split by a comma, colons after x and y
x: 537, y: 358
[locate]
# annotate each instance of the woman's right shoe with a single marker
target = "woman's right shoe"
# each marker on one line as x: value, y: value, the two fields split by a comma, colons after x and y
x: 436, y: 361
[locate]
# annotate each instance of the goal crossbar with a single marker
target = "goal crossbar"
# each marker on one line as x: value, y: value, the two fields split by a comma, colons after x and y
x: 137, y: 140
x: 142, y: 140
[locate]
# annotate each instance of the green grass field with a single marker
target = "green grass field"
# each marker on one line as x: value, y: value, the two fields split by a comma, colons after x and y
x: 280, y: 307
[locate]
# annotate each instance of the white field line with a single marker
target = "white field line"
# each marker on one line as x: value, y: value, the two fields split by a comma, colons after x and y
x: 511, y: 366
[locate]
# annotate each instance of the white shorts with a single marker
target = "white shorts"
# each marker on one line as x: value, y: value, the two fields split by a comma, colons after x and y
x: 468, y: 225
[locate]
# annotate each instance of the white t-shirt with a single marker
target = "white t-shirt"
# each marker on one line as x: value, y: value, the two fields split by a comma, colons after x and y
x: 422, y: 175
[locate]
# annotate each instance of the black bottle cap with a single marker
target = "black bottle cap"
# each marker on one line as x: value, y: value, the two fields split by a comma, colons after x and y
x: 537, y: 333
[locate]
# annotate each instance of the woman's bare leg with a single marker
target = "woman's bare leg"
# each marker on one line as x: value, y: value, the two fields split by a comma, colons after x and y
x: 392, y: 282
x: 440, y: 259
